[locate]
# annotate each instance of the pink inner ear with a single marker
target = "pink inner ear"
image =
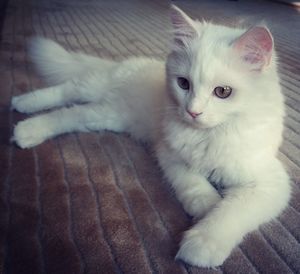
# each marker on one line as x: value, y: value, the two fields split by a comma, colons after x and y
x: 255, y: 47
x: 177, y: 18
x: 182, y: 24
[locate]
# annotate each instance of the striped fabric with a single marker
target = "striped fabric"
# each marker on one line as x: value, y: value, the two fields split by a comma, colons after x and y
x: 97, y: 203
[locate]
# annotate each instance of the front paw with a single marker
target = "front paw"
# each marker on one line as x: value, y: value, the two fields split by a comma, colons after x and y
x: 29, y: 133
x: 197, y: 206
x: 200, y: 247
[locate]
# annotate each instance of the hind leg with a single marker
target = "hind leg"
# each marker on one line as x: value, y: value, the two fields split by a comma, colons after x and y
x: 33, y: 131
x: 47, y: 98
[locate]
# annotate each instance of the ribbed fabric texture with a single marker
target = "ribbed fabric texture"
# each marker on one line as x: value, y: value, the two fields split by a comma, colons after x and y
x: 97, y: 203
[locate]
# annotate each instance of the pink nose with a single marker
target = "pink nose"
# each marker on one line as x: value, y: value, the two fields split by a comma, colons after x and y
x: 194, y: 114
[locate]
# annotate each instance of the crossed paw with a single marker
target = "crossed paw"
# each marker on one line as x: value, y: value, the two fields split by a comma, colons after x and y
x: 198, y: 206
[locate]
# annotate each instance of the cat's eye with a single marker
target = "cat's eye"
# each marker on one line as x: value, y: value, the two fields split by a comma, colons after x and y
x: 223, y: 92
x: 183, y: 83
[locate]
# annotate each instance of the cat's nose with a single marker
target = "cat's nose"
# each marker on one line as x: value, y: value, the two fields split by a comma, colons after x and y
x: 194, y: 114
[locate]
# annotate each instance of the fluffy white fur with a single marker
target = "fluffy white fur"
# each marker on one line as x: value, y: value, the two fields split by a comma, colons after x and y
x: 233, y: 143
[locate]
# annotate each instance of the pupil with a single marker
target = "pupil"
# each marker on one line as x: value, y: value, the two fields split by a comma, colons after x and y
x: 222, y: 92
x: 183, y: 83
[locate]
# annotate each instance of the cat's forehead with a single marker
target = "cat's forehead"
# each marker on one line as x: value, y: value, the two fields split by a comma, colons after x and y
x: 214, y: 39
x: 213, y: 32
x: 210, y: 51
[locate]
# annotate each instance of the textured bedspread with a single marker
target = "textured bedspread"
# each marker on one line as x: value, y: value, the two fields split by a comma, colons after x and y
x: 97, y: 202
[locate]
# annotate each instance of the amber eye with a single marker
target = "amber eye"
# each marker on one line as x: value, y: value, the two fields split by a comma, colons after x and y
x: 223, y: 92
x: 183, y: 83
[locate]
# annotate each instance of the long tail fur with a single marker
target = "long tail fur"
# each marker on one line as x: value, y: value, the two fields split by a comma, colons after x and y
x: 58, y: 65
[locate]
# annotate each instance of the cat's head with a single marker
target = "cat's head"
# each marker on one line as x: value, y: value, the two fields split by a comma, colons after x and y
x: 216, y: 73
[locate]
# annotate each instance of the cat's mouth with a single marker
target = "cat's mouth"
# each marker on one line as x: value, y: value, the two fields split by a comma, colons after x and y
x: 196, y: 123
x: 200, y: 122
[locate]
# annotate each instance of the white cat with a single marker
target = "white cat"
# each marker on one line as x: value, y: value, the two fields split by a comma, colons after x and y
x: 214, y: 112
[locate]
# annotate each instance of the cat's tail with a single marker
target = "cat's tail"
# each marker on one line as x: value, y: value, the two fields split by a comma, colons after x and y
x: 58, y: 65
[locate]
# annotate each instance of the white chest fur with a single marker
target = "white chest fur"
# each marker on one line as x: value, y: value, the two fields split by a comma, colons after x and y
x: 227, y: 154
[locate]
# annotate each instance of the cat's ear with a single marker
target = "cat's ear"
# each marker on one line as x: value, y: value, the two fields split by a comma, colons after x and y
x: 255, y: 47
x: 183, y: 25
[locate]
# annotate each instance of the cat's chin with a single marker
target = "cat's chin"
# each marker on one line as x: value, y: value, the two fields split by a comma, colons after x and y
x: 203, y: 126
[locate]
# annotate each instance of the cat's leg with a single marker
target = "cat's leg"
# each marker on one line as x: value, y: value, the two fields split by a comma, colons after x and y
x: 195, y: 193
x: 242, y: 210
x: 47, y: 98
x: 193, y: 190
x: 89, y: 117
